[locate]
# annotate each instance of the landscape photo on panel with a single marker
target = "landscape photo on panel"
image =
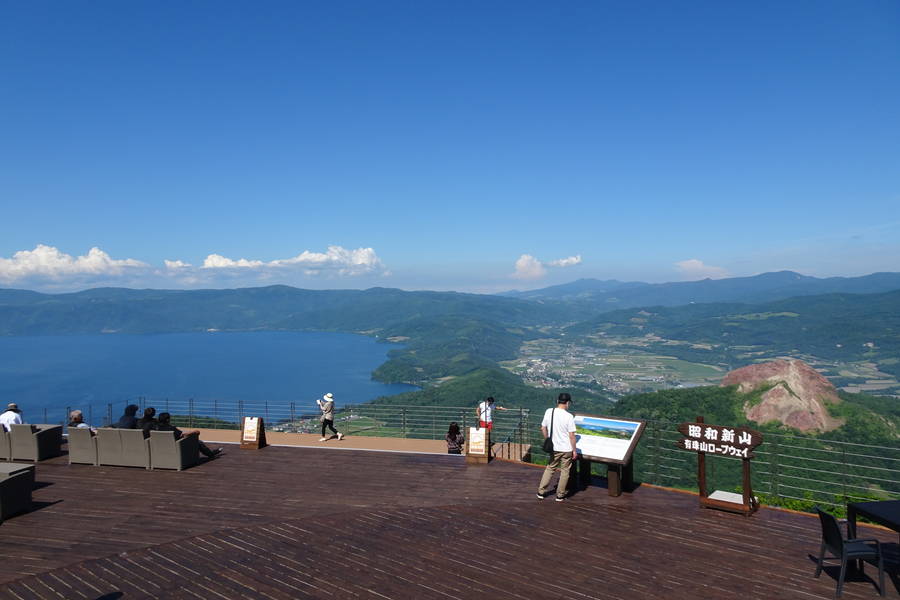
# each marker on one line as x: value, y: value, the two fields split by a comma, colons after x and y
x: 603, y: 437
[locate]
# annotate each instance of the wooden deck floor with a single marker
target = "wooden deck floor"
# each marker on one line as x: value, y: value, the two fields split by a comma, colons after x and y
x: 312, y: 522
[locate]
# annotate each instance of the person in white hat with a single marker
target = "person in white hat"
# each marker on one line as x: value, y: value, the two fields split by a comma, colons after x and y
x: 326, y: 405
x: 12, y: 416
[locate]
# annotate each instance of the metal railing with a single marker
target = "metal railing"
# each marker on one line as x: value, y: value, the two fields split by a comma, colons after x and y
x: 789, y: 470
x: 379, y: 420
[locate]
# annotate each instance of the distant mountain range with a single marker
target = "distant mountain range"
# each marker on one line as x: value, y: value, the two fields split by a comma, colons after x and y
x: 463, y: 337
x: 120, y: 310
x: 612, y: 295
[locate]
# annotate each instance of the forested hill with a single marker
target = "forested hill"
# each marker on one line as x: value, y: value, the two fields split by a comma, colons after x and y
x: 276, y: 307
x: 833, y: 326
x: 612, y: 295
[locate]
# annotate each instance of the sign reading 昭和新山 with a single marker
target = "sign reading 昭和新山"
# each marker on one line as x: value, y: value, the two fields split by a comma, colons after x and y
x: 737, y: 442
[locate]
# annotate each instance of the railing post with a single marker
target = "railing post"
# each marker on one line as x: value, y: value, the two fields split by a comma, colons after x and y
x: 350, y: 421
x: 109, y: 413
x: 844, y: 478
x: 403, y: 416
x: 657, y: 450
x: 240, y: 412
x: 45, y: 414
x: 216, y: 410
x: 293, y: 427
x: 66, y: 418
x: 774, y: 483
x: 267, y: 410
x: 90, y: 413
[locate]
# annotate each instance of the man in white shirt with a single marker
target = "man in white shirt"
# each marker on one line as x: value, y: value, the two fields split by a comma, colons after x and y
x: 485, y: 413
x: 564, y: 452
x: 12, y: 416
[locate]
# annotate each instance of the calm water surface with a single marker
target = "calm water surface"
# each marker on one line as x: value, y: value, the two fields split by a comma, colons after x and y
x: 279, y: 367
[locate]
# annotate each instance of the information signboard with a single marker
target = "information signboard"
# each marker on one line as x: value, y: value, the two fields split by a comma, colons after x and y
x: 477, y: 441
x: 253, y: 433
x: 606, y: 439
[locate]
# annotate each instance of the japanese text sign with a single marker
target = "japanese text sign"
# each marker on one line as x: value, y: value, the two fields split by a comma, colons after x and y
x: 738, y: 442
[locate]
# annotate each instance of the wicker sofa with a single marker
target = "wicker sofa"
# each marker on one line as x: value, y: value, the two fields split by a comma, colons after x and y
x: 122, y: 448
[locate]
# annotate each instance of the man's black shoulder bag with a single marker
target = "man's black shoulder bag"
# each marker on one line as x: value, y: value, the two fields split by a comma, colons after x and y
x: 548, y: 441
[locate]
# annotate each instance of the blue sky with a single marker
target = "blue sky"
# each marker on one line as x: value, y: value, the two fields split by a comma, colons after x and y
x: 477, y: 146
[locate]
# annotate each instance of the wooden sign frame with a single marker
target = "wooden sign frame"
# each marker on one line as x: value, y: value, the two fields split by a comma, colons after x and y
x: 719, y: 500
x: 253, y: 433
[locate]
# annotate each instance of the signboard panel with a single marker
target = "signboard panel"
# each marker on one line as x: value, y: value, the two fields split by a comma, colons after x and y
x: 251, y: 429
x: 738, y: 442
x: 606, y: 439
x: 477, y: 444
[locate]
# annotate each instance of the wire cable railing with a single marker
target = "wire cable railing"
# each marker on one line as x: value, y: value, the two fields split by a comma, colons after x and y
x: 789, y: 470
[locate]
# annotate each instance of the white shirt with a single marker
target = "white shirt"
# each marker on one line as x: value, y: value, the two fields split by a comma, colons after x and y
x: 10, y: 417
x: 485, y: 412
x: 563, y: 424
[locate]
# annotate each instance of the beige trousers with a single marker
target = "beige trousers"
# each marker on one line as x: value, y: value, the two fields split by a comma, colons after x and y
x: 563, y: 462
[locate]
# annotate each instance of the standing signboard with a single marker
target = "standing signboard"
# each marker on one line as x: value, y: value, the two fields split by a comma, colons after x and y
x: 608, y: 440
x: 478, y: 445
x: 734, y: 442
x: 253, y: 433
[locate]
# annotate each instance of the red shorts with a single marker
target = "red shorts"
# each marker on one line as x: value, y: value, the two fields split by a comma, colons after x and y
x: 487, y: 426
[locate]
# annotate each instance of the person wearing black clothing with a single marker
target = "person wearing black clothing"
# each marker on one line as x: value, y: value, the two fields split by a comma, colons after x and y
x: 164, y: 424
x: 147, y: 423
x: 455, y: 439
x: 128, y: 420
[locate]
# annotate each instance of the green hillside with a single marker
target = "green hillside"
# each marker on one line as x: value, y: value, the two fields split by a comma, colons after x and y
x: 846, y: 327
x: 858, y: 461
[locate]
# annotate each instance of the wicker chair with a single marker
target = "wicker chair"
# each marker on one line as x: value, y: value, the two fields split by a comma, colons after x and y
x: 168, y: 453
x: 30, y: 442
x: 82, y: 446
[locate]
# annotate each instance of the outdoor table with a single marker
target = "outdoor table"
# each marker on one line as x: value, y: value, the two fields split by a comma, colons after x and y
x: 7, y: 469
x: 10, y: 469
x: 886, y: 512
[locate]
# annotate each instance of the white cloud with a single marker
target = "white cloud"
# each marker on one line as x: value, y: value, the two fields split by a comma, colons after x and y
x: 47, y: 262
x: 528, y: 267
x: 217, y: 261
x: 176, y: 264
x: 566, y: 262
x: 696, y: 269
x: 336, y: 259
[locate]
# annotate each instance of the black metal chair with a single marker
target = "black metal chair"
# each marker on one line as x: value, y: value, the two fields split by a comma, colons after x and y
x: 858, y: 549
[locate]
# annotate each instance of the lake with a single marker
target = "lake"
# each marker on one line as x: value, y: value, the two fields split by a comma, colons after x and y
x: 84, y: 371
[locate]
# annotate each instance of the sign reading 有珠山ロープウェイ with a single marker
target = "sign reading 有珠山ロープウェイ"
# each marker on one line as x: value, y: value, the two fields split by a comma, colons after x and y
x: 738, y: 442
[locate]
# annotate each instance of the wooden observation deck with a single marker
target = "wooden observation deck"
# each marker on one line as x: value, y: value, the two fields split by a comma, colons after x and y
x: 301, y: 522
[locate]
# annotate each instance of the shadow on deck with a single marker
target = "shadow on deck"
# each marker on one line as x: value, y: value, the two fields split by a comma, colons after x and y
x: 311, y: 522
